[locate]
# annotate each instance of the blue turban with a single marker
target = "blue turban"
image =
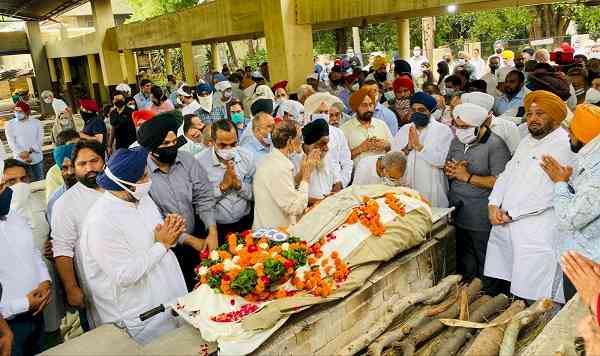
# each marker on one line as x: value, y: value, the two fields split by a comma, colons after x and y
x: 62, y: 152
x: 219, y: 78
x: 203, y: 87
x: 126, y: 164
x: 423, y: 98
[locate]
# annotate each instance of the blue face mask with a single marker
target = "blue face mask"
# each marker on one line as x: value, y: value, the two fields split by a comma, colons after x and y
x: 5, y: 198
x: 237, y: 117
x: 419, y: 119
x: 269, y: 140
x: 20, y: 115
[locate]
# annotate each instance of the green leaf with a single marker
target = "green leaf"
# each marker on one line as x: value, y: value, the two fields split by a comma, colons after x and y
x: 274, y: 269
x: 245, y: 282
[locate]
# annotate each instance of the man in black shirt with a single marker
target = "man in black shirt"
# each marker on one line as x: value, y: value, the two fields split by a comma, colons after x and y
x: 123, y: 129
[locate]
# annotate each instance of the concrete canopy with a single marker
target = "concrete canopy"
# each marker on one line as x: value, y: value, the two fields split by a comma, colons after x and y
x: 36, y: 10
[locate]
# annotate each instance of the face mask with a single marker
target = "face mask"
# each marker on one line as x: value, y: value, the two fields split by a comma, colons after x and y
x: 166, y: 155
x: 132, y: 106
x: 437, y: 115
x: 392, y: 182
x: 141, y: 189
x: 227, y: 94
x: 226, y: 154
x: 366, y: 116
x: 355, y: 87
x: 237, y: 117
x: 461, y: 62
x: 86, y: 116
x: 417, y: 53
x: 89, y: 180
x: 235, y: 85
x: 206, y: 102
x: 499, y: 50
x: 466, y: 136
x: 48, y: 100
x: 320, y: 116
x: 419, y: 119
x: 595, y: 55
x: 592, y: 96
x: 269, y: 140
x: 450, y: 91
x: 119, y: 103
x: 20, y: 115
x: 494, y: 67
x: 5, y: 198
x: 389, y: 95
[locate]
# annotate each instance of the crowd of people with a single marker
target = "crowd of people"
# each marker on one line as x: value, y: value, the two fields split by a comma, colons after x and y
x: 155, y: 178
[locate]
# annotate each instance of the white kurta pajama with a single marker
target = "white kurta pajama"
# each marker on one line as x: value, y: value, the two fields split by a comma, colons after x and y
x: 522, y: 251
x: 424, y: 170
x: 127, y: 271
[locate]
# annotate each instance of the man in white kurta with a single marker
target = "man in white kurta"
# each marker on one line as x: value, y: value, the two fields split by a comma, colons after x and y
x: 524, y: 232
x: 128, y: 266
x: 426, y: 151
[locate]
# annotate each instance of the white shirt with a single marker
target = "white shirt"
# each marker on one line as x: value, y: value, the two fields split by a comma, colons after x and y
x: 322, y: 178
x: 415, y: 65
x: 59, y: 106
x: 492, y: 83
x: 31, y: 206
x: 366, y: 171
x: 22, y: 268
x: 277, y: 202
x: 424, y: 170
x: 127, y: 271
x: 479, y: 65
x: 508, y: 132
x: 340, y: 155
x: 25, y: 135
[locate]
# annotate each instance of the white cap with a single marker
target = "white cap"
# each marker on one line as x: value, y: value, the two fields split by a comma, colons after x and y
x: 471, y: 114
x: 123, y: 88
x: 258, y: 75
x: 223, y: 85
x: 314, y: 101
x: 483, y: 100
x: 181, y: 92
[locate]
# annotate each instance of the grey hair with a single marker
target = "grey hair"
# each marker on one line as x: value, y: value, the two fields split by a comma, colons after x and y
x: 305, y: 90
x: 46, y: 94
x: 394, y: 159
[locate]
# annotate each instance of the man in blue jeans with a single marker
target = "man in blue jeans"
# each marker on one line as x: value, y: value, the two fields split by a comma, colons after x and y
x: 25, y: 139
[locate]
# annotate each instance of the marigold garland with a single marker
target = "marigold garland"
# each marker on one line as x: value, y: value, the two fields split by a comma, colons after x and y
x: 368, y: 212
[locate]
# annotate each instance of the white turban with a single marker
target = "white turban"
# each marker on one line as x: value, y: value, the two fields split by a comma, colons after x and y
x: 261, y: 92
x: 471, y: 114
x: 483, y: 100
x: 123, y: 87
x: 314, y: 101
x: 293, y: 108
x: 222, y: 86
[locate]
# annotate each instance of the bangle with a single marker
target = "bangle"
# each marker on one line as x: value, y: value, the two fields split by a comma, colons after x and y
x: 469, y: 180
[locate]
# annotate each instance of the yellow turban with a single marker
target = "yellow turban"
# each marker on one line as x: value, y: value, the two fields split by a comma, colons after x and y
x: 357, y: 98
x: 508, y: 55
x: 379, y: 62
x: 586, y: 122
x: 551, y: 103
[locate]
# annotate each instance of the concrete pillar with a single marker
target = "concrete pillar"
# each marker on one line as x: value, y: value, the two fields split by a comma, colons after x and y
x: 53, y: 76
x: 188, y: 63
x: 94, y: 78
x: 66, y: 71
x: 356, y: 44
x: 404, y: 38
x: 109, y: 54
x: 289, y: 45
x: 168, y: 62
x: 38, y: 57
x: 131, y: 69
x: 215, y: 58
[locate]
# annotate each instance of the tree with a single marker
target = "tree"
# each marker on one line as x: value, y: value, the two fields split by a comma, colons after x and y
x: 143, y: 9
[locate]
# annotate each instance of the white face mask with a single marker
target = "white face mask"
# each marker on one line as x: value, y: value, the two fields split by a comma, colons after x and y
x: 141, y: 189
x: 389, y: 95
x: 461, y: 62
x: 355, y: 87
x: 466, y: 136
x: 226, y: 153
x: 206, y: 103
x: 20, y: 115
x: 417, y: 52
x: 20, y: 199
x: 48, y: 100
x: 592, y: 96
x: 437, y: 115
x: 132, y: 107
x: 320, y: 116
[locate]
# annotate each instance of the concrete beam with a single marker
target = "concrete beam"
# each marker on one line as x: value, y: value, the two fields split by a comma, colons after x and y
x: 188, y: 63
x: 13, y: 43
x: 110, y: 60
x: 73, y: 47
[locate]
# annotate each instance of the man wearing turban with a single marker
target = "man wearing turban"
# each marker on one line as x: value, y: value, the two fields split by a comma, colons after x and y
x: 366, y: 135
x: 576, y: 197
x: 128, y: 263
x: 179, y: 185
x: 425, y: 142
x: 521, y: 207
x: 476, y: 157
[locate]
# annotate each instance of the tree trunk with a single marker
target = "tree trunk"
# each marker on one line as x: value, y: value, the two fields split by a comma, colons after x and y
x: 232, y: 54
x: 251, y: 50
x: 341, y: 41
x: 428, y: 35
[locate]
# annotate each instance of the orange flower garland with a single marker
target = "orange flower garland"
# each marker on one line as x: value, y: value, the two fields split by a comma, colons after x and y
x: 368, y: 215
x: 395, y: 204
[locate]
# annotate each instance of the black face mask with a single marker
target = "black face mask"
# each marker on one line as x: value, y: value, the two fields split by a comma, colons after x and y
x: 494, y: 67
x: 381, y: 76
x: 419, y: 119
x: 89, y: 180
x: 575, y: 148
x: 86, y: 116
x: 366, y: 116
x: 70, y: 180
x: 337, y: 81
x: 119, y: 103
x: 5, y: 198
x: 166, y: 155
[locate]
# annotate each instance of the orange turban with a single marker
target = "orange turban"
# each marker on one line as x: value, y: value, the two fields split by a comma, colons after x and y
x: 586, y: 122
x: 551, y: 103
x: 357, y: 98
x: 379, y: 62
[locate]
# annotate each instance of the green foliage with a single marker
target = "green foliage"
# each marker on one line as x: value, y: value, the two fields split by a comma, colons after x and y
x: 587, y: 19
x: 274, y: 269
x: 299, y: 256
x: 379, y: 37
x: 143, y: 9
x: 255, y: 60
x: 245, y: 282
x: 324, y: 42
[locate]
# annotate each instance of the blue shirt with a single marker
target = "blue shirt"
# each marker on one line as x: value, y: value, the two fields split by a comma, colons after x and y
x: 231, y: 205
x: 258, y: 149
x: 52, y: 200
x: 577, y: 207
x: 503, y: 103
x: 387, y: 116
x: 142, y: 101
x: 344, y: 96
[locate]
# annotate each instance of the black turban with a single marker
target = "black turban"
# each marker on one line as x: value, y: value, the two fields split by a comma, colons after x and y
x: 262, y: 105
x: 402, y: 67
x: 313, y: 131
x: 151, y: 134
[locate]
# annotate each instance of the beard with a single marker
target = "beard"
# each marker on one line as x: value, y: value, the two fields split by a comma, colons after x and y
x: 89, y: 180
x: 70, y: 180
x: 539, y: 132
x: 365, y: 117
